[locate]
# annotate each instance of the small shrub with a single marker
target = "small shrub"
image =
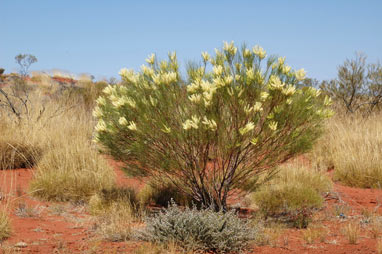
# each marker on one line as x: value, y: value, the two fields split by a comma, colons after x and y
x: 73, y: 172
x: 204, y: 230
x: 5, y: 225
x: 292, y: 195
x: 26, y: 211
x: 162, y: 194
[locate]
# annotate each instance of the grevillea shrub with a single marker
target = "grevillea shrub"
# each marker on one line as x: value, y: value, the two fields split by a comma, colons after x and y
x: 231, y: 119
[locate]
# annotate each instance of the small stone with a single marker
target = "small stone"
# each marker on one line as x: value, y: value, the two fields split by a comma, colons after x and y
x: 21, y: 245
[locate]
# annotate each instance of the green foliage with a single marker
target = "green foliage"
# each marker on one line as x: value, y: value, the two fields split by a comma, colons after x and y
x: 292, y: 195
x: 203, y: 230
x: 216, y: 129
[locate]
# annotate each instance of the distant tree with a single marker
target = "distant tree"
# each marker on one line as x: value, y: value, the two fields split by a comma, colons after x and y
x: 358, y: 85
x: 25, y: 61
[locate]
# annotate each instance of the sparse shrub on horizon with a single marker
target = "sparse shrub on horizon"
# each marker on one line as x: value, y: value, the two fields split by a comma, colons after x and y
x: 293, y: 195
x: 213, y: 131
x: 203, y: 230
x: 358, y: 86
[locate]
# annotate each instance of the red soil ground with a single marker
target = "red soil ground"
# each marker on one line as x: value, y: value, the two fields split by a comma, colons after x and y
x: 60, y: 227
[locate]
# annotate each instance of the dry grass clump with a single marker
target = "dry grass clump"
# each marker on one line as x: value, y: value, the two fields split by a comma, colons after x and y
x: 293, y: 195
x: 352, y: 231
x: 352, y: 145
x: 152, y: 248
x: 116, y: 212
x: 71, y: 173
x: 5, y: 225
x: 315, y: 233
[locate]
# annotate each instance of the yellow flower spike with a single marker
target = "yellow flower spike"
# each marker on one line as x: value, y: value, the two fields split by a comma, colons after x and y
x: 250, y: 74
x: 230, y: 48
x: 107, y: 90
x: 217, y: 70
x: 254, y: 141
x: 264, y: 96
x: 151, y: 59
x: 122, y: 121
x: 247, y: 128
x: 101, y: 101
x: 272, y: 125
x: 247, y: 53
x: 289, y: 90
x: 195, y: 98
x: 257, y: 107
x: 205, y: 56
x: 248, y: 109
x: 97, y: 112
x: 166, y: 129
x: 101, y: 126
x: 132, y: 126
x: 289, y: 101
x: 259, y: 51
x: 300, y: 74
x: 228, y: 80
x: 286, y: 69
x: 281, y: 60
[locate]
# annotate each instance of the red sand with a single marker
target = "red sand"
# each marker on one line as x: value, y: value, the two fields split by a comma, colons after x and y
x: 55, y: 233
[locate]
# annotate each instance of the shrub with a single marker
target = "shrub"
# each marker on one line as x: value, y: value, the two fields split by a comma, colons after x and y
x: 292, y: 195
x: 215, y: 130
x: 204, y: 230
x: 5, y: 225
x: 73, y: 172
x: 162, y: 194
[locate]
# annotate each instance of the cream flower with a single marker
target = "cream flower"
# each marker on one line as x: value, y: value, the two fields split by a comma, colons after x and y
x: 122, y: 121
x: 205, y: 56
x: 275, y: 83
x: 211, y: 124
x: 97, y: 112
x: 264, y: 96
x: 151, y: 59
x: 281, y: 60
x: 247, y: 128
x: 217, y: 70
x: 132, y: 126
x: 289, y: 90
x: 259, y: 51
x: 108, y: 90
x: 101, y: 101
x: 286, y: 69
x: 230, y: 48
x: 300, y: 74
x: 101, y: 126
x: 195, y: 98
x: 257, y: 107
x: 272, y: 125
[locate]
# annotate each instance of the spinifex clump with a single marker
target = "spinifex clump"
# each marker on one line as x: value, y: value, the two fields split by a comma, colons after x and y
x: 216, y: 130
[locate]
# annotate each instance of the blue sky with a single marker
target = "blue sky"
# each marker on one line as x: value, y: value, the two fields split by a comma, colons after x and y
x: 101, y: 37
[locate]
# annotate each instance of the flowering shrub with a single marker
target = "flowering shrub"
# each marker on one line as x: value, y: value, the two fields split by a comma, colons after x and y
x: 216, y: 130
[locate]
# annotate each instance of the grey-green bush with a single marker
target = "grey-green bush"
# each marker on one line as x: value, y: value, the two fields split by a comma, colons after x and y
x: 200, y: 230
